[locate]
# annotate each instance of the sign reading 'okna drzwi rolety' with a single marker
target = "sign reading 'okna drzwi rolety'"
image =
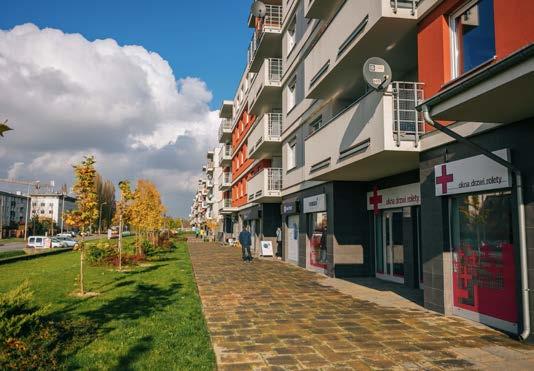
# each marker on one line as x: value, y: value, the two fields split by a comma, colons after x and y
x: 473, y: 174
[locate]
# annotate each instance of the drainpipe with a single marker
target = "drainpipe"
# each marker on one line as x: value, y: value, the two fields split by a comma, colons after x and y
x: 520, y: 212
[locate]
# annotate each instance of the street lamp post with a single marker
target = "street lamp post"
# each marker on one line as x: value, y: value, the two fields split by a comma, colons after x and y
x: 100, y: 217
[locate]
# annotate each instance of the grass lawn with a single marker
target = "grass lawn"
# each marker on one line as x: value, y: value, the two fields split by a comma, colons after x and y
x: 8, y: 240
x: 146, y: 318
x: 10, y: 254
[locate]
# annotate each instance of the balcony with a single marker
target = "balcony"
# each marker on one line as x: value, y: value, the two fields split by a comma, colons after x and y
x: 225, y: 130
x: 225, y: 155
x: 266, y: 186
x: 267, y: 39
x: 210, y: 166
x: 226, y: 206
x: 376, y: 136
x: 264, y: 140
x: 225, y: 181
x: 320, y: 9
x: 380, y: 28
x: 265, y: 92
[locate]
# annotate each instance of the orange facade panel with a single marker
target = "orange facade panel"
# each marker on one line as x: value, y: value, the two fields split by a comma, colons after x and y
x: 514, y: 29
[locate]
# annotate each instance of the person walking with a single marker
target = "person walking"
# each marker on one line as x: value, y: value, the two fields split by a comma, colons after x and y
x: 245, y: 240
x: 279, y: 243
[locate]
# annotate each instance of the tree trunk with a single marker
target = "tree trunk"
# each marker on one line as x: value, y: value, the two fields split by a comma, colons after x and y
x: 120, y: 242
x: 81, y: 263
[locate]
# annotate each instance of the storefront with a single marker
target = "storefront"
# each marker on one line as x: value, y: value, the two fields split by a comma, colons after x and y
x: 314, y: 208
x: 484, y: 270
x: 291, y: 216
x: 396, y: 214
x: 251, y: 218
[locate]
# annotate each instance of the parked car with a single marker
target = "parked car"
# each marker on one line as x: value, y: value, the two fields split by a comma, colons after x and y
x: 56, y: 242
x: 39, y: 242
x: 68, y: 241
x: 66, y: 235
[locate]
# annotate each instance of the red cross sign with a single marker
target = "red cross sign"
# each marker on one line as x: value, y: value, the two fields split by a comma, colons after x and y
x: 375, y: 200
x: 444, y: 179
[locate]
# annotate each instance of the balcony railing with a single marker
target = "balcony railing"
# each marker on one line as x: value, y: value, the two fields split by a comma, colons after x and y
x: 267, y: 183
x: 275, y: 69
x: 225, y: 180
x: 405, y: 4
x: 225, y: 128
x: 225, y: 154
x: 408, y: 123
x: 271, y: 22
x: 268, y: 129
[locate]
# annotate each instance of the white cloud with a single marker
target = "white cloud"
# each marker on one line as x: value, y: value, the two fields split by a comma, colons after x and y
x: 66, y: 97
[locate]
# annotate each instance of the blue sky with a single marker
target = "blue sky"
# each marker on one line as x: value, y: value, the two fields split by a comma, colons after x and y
x: 204, y: 39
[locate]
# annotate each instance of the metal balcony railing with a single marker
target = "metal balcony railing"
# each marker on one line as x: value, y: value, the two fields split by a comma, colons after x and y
x: 408, y: 123
x: 274, y: 125
x: 271, y: 21
x: 405, y: 4
x: 225, y: 126
x: 225, y: 179
x: 275, y: 69
x: 274, y: 179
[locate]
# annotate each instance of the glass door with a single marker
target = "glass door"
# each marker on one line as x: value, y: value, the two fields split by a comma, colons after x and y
x: 392, y: 247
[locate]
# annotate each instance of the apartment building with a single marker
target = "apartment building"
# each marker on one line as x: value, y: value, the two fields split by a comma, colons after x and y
x: 51, y: 205
x: 250, y: 133
x: 205, y: 210
x: 13, y: 208
x: 359, y: 178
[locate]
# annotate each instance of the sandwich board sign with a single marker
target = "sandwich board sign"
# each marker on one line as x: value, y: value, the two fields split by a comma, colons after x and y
x: 266, y: 248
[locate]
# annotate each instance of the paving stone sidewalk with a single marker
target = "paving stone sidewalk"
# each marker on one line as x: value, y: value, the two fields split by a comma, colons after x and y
x: 271, y: 315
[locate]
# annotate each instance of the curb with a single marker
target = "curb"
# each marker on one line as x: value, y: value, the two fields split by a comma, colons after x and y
x: 33, y: 256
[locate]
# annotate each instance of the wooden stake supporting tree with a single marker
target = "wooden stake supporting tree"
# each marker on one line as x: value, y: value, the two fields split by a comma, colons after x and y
x: 86, y: 212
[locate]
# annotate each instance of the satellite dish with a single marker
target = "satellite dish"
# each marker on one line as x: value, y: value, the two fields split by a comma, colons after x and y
x: 377, y: 73
x: 258, y: 9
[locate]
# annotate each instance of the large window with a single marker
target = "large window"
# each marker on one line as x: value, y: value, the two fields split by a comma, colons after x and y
x: 473, y: 36
x: 484, y: 274
x: 291, y: 35
x: 291, y: 94
x: 291, y: 155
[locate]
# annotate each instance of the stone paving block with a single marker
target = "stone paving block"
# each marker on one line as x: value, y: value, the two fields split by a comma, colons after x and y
x: 273, y: 316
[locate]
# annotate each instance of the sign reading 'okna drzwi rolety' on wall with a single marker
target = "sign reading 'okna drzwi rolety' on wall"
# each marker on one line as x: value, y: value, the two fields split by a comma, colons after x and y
x: 401, y: 196
x: 473, y: 174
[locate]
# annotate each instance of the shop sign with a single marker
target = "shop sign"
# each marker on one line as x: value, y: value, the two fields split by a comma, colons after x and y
x: 473, y: 174
x: 315, y: 204
x: 290, y: 207
x: 395, y: 197
x: 252, y: 213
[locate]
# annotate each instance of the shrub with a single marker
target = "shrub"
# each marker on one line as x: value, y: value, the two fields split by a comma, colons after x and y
x: 31, y: 341
x: 18, y: 315
x: 100, y: 253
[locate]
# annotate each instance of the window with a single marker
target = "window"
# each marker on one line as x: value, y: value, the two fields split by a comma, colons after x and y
x: 473, y: 36
x: 42, y: 204
x: 291, y: 89
x: 290, y: 36
x: 316, y: 124
x: 291, y: 155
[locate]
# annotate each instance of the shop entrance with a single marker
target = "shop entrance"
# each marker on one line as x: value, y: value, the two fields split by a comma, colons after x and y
x: 390, y: 246
x: 293, y: 238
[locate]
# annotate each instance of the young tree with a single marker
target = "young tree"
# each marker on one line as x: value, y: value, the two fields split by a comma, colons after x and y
x: 147, y: 212
x: 123, y: 211
x: 86, y: 212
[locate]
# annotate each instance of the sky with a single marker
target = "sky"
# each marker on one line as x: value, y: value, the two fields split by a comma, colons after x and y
x: 135, y: 83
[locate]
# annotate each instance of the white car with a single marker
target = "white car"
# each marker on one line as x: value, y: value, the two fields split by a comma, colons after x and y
x: 56, y: 242
x: 39, y: 242
x: 68, y: 241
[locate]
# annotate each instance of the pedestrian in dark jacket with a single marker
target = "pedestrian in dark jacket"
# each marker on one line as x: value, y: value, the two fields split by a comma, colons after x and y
x: 245, y: 239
